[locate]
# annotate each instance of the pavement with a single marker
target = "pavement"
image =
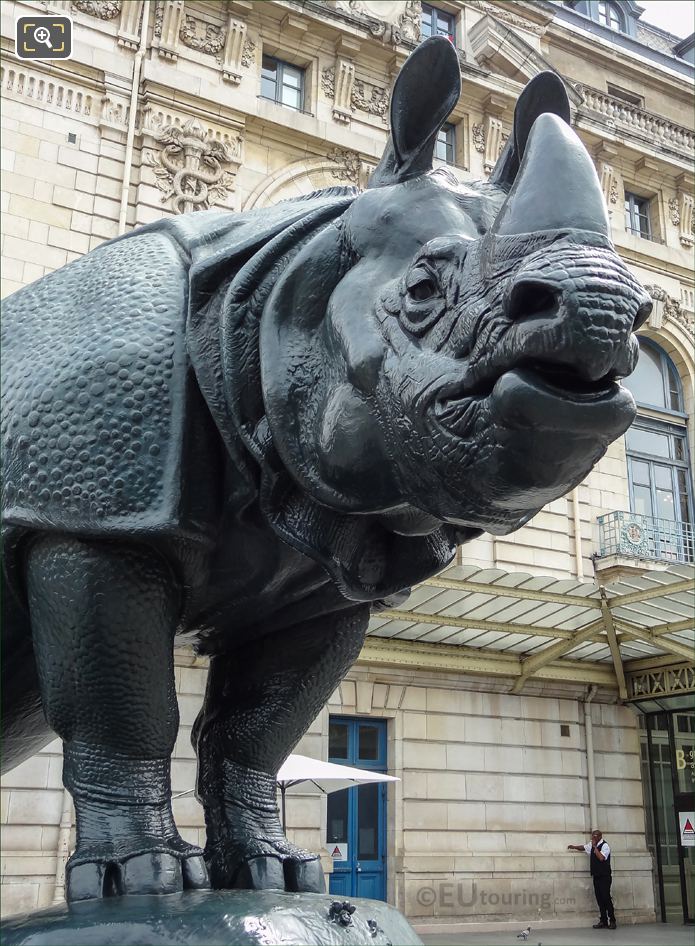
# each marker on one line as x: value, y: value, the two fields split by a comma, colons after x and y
x: 642, y: 934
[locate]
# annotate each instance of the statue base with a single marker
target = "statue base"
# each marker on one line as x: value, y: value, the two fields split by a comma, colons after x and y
x: 211, y: 917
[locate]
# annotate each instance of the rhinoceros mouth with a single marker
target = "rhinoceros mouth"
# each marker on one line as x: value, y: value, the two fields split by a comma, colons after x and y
x: 542, y: 396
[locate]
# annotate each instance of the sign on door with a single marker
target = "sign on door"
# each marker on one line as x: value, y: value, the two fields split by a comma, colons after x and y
x: 687, y: 823
x: 339, y: 852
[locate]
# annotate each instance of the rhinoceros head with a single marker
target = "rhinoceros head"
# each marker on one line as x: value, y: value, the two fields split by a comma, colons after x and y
x: 452, y: 352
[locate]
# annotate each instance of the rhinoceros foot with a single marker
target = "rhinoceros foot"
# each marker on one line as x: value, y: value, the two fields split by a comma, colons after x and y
x: 264, y: 863
x: 137, y: 865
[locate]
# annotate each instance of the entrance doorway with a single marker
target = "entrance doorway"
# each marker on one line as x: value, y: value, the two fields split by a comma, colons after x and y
x: 356, y: 822
x: 668, y: 762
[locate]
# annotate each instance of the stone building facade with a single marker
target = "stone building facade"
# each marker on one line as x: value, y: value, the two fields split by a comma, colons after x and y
x: 183, y: 105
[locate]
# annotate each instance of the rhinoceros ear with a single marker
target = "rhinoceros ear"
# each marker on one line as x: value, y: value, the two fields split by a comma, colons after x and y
x: 426, y: 90
x: 544, y: 93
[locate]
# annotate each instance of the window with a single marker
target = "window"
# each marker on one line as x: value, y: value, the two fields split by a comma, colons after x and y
x: 445, y: 147
x: 609, y: 16
x: 282, y: 83
x: 626, y: 96
x: 657, y: 457
x: 637, y: 216
x: 437, y: 23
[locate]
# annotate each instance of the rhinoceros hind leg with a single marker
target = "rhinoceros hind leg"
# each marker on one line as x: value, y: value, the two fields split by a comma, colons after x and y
x: 260, y: 701
x: 103, y: 617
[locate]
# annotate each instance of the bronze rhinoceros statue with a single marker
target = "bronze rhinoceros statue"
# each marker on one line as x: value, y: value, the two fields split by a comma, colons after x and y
x: 243, y: 430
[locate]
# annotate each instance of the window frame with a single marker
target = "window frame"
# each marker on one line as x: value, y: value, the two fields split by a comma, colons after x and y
x: 449, y: 143
x: 632, y: 204
x: 612, y: 13
x: 281, y: 66
x: 435, y: 12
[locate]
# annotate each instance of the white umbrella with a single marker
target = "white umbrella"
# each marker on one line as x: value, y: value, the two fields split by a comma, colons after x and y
x: 324, y: 777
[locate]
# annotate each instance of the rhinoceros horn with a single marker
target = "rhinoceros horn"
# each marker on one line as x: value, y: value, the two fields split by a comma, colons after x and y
x: 426, y: 90
x: 557, y: 187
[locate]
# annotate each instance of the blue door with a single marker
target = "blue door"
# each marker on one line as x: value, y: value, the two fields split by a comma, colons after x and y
x: 356, y: 823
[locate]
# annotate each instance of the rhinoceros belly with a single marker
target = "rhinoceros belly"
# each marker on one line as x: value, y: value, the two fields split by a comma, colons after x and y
x: 97, y: 403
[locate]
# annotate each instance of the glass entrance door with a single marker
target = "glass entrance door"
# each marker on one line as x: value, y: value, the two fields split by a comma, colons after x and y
x: 356, y: 822
x: 670, y: 757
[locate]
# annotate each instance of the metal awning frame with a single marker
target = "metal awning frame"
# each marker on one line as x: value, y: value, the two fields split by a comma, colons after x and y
x: 611, y: 619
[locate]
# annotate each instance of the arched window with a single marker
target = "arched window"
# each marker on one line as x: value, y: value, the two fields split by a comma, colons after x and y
x: 610, y: 16
x: 658, y: 456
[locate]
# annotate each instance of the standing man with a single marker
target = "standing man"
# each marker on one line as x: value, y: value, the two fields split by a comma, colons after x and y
x: 600, y: 863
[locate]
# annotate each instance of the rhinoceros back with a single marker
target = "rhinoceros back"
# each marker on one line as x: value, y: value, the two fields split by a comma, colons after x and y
x: 95, y: 392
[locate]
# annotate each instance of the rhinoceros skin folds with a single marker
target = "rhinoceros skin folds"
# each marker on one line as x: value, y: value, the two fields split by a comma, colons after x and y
x: 246, y: 430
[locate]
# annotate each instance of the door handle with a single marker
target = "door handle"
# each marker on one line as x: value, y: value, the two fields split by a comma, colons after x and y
x: 358, y: 869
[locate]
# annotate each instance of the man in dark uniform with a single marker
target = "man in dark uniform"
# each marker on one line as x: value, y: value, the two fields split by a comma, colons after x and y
x: 600, y: 862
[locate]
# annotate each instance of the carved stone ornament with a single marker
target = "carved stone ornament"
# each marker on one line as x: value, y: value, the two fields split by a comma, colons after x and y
x: 500, y: 13
x: 221, y: 430
x: 348, y: 165
x: 205, y: 37
x: 667, y: 307
x: 478, y: 135
x: 192, y: 168
x: 673, y: 213
x: 364, y: 96
x: 167, y: 28
x: 104, y: 9
x: 391, y: 21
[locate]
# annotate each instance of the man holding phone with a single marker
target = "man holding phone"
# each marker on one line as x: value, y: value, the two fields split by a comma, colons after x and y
x: 600, y: 864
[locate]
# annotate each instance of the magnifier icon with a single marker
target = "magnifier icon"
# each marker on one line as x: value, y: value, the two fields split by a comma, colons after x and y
x: 43, y: 35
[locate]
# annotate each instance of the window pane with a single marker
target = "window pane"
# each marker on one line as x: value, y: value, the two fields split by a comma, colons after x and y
x: 440, y: 146
x: 674, y: 389
x: 369, y: 743
x: 643, y: 500
x: 268, y: 88
x: 665, y: 506
x: 426, y: 23
x: 663, y: 476
x: 291, y: 77
x: 337, y: 817
x: 684, y: 505
x: 337, y: 740
x: 646, y: 381
x: 368, y: 822
x: 647, y: 441
x: 640, y: 472
x: 291, y: 97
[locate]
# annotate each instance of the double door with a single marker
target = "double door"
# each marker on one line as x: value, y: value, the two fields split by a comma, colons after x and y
x: 356, y: 817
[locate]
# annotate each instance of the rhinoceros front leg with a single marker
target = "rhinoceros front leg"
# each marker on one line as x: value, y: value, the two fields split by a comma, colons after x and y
x: 103, y: 618
x: 260, y: 701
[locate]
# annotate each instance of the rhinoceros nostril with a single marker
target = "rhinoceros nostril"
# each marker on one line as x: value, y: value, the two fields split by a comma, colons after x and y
x: 532, y: 297
x: 643, y: 313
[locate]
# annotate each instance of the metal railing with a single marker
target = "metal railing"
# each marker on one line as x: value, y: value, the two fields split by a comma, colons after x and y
x: 627, y: 533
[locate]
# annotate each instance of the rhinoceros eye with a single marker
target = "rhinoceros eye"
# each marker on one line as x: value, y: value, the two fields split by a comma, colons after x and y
x: 421, y: 285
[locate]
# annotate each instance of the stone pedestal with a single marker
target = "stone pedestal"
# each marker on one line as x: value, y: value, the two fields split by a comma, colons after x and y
x: 212, y: 917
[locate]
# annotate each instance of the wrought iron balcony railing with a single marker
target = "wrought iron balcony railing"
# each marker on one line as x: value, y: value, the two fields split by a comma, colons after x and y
x: 629, y: 534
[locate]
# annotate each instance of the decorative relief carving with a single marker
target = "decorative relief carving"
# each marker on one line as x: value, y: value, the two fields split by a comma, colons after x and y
x: 205, y: 37
x: 666, y: 307
x: 478, y: 135
x: 54, y: 93
x: 683, y: 211
x: 114, y: 112
x: 194, y: 169
x: 363, y: 95
x: 247, y: 53
x: 673, y: 211
x: 104, y: 9
x: 370, y: 98
x: 348, y: 165
x: 499, y: 13
x: 609, y: 182
x: 391, y: 21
